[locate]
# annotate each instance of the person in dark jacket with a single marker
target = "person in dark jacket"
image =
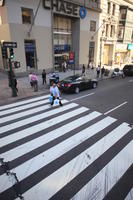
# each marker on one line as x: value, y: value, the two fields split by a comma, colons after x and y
x: 83, y: 70
x: 102, y: 72
x: 44, y: 77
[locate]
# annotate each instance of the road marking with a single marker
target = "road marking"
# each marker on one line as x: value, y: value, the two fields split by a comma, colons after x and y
x: 106, y: 174
x: 115, y: 108
x: 130, y: 80
x: 27, y: 106
x: 82, y: 97
x: 37, y: 142
x: 26, y: 113
x: 79, y: 163
x: 41, y: 126
x: 35, y: 118
x: 23, y: 102
x: 53, y: 153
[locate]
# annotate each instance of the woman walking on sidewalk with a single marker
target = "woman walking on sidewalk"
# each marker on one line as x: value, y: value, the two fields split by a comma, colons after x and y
x: 34, y: 80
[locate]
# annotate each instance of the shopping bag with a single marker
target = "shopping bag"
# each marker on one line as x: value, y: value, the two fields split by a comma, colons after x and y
x: 56, y: 102
x: 50, y: 99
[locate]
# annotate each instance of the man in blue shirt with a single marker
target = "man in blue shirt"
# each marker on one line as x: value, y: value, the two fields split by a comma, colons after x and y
x: 54, y: 90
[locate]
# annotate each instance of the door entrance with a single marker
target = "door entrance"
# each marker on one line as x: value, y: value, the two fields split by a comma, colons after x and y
x: 106, y: 55
x: 30, y: 53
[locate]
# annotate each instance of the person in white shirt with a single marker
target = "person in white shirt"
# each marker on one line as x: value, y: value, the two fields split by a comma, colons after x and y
x: 54, y: 90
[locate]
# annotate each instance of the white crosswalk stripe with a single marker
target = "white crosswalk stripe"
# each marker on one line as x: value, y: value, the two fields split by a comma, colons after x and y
x: 23, y: 102
x: 32, y: 111
x: 59, y: 145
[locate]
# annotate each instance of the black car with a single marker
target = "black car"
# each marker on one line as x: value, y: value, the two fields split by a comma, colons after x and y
x: 128, y: 70
x: 77, y: 83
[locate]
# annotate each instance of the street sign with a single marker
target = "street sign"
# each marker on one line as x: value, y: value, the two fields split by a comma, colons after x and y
x: 71, y: 57
x: 10, y: 44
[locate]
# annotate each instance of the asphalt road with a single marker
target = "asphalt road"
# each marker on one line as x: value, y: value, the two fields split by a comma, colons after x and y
x: 80, y: 151
x: 113, y: 97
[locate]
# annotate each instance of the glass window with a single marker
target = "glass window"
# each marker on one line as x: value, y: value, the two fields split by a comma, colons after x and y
x: 92, y: 25
x: 107, y: 28
x: 121, y: 33
x: 108, y: 8
x: 123, y: 12
x: 112, y: 31
x: 91, y: 51
x: 27, y: 15
x: 113, y: 10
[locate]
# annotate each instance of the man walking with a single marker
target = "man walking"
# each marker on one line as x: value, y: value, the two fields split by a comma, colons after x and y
x: 55, y: 93
x: 44, y: 77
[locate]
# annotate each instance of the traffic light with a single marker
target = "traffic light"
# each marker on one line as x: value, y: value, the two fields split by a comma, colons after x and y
x: 4, y: 52
x: 11, y: 53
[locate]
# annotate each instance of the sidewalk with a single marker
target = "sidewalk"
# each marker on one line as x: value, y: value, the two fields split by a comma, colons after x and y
x: 26, y: 91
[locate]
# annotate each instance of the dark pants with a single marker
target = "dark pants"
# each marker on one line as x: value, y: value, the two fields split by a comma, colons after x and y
x: 35, y: 86
x: 59, y: 101
x: 43, y: 81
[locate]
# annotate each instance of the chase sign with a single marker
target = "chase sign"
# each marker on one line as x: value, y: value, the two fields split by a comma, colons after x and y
x: 64, y: 7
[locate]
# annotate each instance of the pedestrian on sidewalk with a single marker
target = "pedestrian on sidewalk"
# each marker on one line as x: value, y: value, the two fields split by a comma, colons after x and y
x: 30, y: 75
x: 83, y: 70
x: 15, y: 82
x: 34, y: 80
x: 55, y: 93
x: 44, y: 77
x: 64, y: 66
x: 102, y: 72
x: 98, y: 71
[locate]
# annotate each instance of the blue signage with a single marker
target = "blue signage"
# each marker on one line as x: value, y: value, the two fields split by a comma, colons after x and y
x: 29, y: 47
x: 82, y: 12
x: 130, y: 46
x: 61, y: 48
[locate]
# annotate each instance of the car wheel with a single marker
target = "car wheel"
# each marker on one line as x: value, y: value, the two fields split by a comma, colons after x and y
x: 94, y: 85
x: 77, y: 90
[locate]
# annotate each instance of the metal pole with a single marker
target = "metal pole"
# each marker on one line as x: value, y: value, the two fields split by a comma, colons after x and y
x: 34, y: 18
x: 11, y: 80
x: 74, y: 63
x: 52, y: 34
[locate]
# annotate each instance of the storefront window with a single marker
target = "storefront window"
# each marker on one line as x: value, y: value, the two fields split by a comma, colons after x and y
x: 62, y: 24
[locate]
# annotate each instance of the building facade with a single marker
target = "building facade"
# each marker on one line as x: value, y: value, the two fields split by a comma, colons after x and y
x: 48, y: 32
x: 116, y: 32
x: 124, y: 46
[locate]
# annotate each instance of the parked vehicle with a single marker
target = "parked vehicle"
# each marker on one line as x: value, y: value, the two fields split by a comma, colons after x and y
x: 77, y: 83
x: 117, y: 73
x: 128, y: 70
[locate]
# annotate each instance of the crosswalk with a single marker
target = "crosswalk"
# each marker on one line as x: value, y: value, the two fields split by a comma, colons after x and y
x: 61, y: 153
